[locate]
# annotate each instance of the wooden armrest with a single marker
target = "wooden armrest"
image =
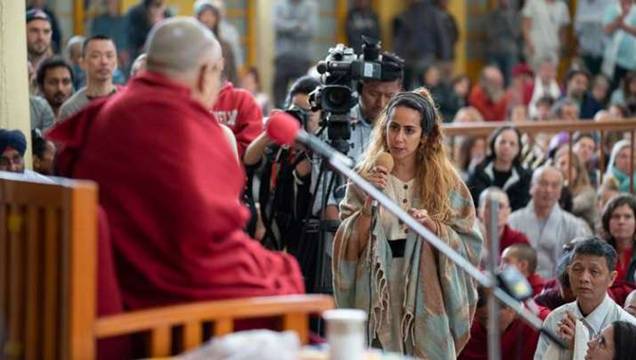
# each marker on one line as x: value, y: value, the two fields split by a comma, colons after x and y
x: 220, y: 310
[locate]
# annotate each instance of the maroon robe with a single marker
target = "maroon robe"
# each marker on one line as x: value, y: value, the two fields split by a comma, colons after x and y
x: 170, y: 186
x: 518, y: 341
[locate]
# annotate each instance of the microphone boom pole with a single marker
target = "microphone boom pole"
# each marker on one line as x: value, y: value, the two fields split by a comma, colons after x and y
x: 343, y: 164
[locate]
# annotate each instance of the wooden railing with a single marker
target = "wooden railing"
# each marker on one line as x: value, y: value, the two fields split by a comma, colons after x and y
x: 484, y: 129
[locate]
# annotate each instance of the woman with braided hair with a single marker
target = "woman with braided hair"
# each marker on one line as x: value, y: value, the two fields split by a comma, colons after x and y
x: 419, y: 302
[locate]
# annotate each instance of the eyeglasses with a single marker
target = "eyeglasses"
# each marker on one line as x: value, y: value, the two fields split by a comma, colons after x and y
x: 13, y: 160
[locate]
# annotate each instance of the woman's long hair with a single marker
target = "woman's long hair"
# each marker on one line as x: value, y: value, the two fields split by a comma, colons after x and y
x: 435, y: 175
x: 616, y: 202
x: 491, y: 155
x: 582, y: 179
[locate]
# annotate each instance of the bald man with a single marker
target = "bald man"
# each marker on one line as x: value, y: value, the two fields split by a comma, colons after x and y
x: 630, y: 303
x: 169, y: 182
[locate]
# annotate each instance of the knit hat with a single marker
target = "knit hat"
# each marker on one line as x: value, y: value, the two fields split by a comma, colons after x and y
x: 36, y: 14
x: 12, y: 139
x: 201, y: 5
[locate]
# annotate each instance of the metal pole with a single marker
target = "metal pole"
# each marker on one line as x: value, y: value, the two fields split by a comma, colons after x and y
x: 494, y: 332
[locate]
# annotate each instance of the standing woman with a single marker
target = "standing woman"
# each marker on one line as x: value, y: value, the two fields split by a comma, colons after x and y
x: 502, y: 168
x: 419, y: 302
x: 619, y: 227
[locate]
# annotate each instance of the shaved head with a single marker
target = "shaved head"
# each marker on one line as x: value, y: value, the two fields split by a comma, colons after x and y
x: 630, y: 303
x: 180, y: 45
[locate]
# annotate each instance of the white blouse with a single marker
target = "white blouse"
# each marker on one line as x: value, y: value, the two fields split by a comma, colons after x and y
x: 402, y: 193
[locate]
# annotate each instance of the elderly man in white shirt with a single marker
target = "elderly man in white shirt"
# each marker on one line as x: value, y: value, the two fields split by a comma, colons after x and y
x: 591, y: 273
x: 547, y: 226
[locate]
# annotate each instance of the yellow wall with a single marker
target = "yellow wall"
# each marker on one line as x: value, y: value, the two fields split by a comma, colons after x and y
x: 14, y: 89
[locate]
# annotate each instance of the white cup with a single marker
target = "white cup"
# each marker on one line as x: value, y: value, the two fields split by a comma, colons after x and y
x: 345, y: 333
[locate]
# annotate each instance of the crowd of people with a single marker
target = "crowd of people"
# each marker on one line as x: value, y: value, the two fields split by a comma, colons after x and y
x: 164, y: 115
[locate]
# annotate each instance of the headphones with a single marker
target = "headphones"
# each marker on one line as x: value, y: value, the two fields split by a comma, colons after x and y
x: 416, y: 102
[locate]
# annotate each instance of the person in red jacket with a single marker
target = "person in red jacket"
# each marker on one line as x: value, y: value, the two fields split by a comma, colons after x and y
x: 168, y: 181
x: 489, y: 95
x: 237, y: 109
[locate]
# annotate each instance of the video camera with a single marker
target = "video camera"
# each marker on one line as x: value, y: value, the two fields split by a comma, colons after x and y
x: 341, y: 71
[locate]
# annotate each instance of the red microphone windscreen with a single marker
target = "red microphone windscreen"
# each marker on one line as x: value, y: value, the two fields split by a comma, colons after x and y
x: 282, y: 128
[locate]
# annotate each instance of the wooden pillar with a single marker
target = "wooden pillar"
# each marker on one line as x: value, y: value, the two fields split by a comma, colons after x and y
x: 14, y: 87
x: 458, y: 10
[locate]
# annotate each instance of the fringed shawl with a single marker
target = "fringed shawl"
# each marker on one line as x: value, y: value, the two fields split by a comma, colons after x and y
x: 438, y: 301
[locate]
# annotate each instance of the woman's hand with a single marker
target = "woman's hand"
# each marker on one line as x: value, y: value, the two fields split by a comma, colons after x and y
x: 421, y: 216
x: 378, y: 176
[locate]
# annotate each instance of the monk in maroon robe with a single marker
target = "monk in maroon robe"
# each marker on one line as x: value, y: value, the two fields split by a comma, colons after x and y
x: 169, y: 182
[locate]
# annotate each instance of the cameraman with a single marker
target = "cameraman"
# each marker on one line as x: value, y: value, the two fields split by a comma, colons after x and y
x: 373, y: 97
x: 284, y: 191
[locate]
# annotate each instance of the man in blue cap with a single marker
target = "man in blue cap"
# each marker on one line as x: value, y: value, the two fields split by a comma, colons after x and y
x: 12, y: 148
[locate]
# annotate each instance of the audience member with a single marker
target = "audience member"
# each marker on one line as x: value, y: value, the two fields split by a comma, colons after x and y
x: 468, y: 114
x: 140, y: 19
x: 251, y: 81
x: 619, y: 228
x: 521, y: 87
x: 55, y: 82
x: 630, y: 303
x: 546, y: 225
x: 558, y: 292
x: 185, y: 259
x: 620, y: 166
x: 619, y: 21
x: 600, y: 89
x: 502, y: 37
x: 450, y: 36
x: 524, y: 258
x: 616, y: 342
x: 99, y: 60
x: 626, y: 93
x: 418, y: 37
x: 437, y: 198
x: 489, y: 96
x: 577, y: 89
x: 237, y: 109
x: 441, y: 92
x: 231, y: 35
x: 578, y: 183
x: 38, y: 27
x: 544, y: 25
x: 42, y: 116
x: 507, y: 235
x: 470, y: 153
x: 109, y: 22
x: 502, y: 168
x: 56, y: 34
x: 518, y: 340
x: 588, y: 29
x: 606, y: 191
x: 73, y: 54
x: 545, y: 85
x: 565, y: 109
x: 43, y: 153
x: 460, y: 88
x: 295, y: 23
x: 361, y: 21
x: 139, y: 65
x: 585, y: 148
x: 209, y: 14
x: 543, y: 109
x: 591, y: 274
x: 13, y: 145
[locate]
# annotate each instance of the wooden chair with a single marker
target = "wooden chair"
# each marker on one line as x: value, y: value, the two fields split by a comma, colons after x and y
x: 48, y: 272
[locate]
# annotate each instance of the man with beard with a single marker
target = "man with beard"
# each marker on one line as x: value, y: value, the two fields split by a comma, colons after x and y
x: 99, y: 60
x: 489, y: 96
x: 55, y: 81
x: 39, y: 33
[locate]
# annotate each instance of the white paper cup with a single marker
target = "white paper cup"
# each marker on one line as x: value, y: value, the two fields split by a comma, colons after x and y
x: 345, y: 333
